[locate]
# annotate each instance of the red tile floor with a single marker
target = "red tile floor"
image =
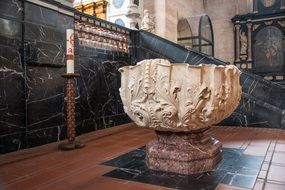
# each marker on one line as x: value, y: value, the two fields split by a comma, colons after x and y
x: 46, y: 167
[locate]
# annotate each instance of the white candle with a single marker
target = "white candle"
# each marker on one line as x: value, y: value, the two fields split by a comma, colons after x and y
x: 69, y: 51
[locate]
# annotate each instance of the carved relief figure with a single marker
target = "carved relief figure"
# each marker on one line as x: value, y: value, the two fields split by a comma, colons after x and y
x: 271, y: 49
x: 243, y: 43
x: 147, y: 23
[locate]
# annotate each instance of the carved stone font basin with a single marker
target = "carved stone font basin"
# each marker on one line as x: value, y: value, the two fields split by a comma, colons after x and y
x: 180, y: 102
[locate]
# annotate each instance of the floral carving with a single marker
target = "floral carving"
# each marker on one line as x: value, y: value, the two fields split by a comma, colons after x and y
x: 178, y: 97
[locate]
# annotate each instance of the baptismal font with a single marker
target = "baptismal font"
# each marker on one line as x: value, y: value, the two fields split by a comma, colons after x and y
x: 180, y: 102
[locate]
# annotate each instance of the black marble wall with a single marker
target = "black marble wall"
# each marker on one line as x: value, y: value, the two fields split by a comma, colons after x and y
x: 98, y: 102
x: 32, y: 91
x: 262, y: 103
x: 44, y: 40
x: 12, y: 80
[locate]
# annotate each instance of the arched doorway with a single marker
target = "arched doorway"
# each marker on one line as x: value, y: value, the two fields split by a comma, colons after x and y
x: 206, y: 36
x: 201, y: 38
x: 184, y: 33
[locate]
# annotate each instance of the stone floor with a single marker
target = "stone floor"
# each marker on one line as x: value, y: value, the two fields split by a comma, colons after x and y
x: 94, y: 166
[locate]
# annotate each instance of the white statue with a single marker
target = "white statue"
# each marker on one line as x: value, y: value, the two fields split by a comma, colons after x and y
x: 147, y: 23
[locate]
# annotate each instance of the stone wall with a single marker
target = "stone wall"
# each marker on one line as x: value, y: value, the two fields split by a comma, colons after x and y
x: 221, y: 12
x: 167, y: 13
x: 32, y: 91
x: 12, y: 86
x: 44, y: 63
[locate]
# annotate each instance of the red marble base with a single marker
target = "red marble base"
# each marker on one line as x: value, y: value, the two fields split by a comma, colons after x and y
x: 184, y: 153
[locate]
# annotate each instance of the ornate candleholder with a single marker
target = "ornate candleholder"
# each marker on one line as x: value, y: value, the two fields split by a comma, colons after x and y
x: 180, y: 102
x: 70, y: 113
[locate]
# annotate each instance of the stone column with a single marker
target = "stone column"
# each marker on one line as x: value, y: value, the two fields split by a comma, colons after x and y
x: 249, y: 54
x: 250, y: 6
x: 237, y: 27
x: 255, y: 8
x: 282, y: 4
x: 133, y: 14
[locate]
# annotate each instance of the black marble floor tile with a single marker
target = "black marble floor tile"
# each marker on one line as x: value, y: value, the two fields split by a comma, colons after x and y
x: 241, y: 180
x: 203, y: 181
x: 235, y: 169
x: 135, y: 158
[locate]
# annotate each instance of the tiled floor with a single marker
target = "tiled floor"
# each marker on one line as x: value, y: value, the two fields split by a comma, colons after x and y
x: 46, y: 167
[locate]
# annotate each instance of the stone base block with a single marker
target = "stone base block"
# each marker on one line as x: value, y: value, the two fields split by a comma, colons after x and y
x: 184, y: 153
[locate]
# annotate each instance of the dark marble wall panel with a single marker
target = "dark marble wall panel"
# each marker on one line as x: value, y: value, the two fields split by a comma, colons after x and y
x: 32, y: 105
x: 12, y: 97
x: 99, y: 105
x: 45, y: 35
x: 10, y: 29
x: 11, y: 142
x: 45, y: 54
x: 11, y: 8
x: 44, y: 135
x: 255, y: 113
x: 12, y: 88
x: 45, y: 97
x: 12, y: 102
x: 273, y: 94
x: 41, y: 15
x: 41, y: 119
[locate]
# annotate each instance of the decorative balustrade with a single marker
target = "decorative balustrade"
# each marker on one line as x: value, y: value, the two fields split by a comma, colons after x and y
x: 97, y: 33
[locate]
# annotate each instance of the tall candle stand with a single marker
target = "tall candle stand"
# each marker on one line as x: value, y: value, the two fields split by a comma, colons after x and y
x: 70, y: 95
x: 70, y: 114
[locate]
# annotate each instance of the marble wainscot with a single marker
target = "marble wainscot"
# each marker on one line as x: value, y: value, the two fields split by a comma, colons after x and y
x: 180, y: 102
